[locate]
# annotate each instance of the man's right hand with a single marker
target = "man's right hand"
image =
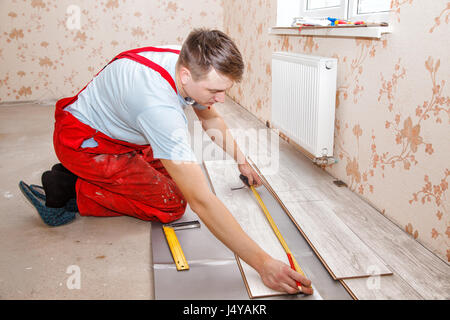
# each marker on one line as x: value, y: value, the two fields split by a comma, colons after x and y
x: 280, y: 277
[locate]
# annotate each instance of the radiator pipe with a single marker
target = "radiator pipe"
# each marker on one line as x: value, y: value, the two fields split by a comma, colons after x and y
x: 320, y: 161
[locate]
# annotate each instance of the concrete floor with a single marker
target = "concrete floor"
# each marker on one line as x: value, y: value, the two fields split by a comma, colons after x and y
x: 112, y: 254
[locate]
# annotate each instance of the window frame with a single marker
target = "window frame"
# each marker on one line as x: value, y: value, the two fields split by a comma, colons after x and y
x: 346, y: 11
x: 338, y: 11
x: 285, y: 8
x: 381, y: 16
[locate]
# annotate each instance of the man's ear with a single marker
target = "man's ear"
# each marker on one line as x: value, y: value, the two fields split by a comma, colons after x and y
x: 185, y: 75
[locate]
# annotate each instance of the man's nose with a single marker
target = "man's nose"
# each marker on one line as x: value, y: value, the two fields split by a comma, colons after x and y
x: 220, y: 97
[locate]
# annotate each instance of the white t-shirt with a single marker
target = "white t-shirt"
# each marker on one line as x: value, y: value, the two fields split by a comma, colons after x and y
x: 131, y: 102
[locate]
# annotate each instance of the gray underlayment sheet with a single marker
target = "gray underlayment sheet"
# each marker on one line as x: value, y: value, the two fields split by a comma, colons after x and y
x: 214, y: 272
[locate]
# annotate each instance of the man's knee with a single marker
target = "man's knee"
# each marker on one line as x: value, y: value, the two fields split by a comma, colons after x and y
x: 178, y: 212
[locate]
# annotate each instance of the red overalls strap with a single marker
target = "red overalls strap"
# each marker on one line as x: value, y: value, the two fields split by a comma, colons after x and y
x: 142, y: 60
x: 117, y: 177
x: 132, y: 55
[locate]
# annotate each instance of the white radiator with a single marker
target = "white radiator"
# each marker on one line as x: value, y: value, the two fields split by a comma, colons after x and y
x: 304, y: 99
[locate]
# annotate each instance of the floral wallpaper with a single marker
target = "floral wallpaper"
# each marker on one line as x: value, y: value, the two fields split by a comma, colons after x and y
x: 392, y: 129
x: 392, y: 124
x: 52, y: 48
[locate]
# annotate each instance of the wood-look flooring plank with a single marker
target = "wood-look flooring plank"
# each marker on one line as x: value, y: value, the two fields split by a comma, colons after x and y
x: 381, y: 288
x: 374, y: 287
x: 344, y: 254
x: 246, y: 210
x: 420, y: 268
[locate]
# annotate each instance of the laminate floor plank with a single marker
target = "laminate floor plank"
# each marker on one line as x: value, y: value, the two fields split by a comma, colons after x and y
x: 343, y: 253
x: 381, y: 288
x: 375, y: 287
x: 419, y: 267
x: 246, y: 210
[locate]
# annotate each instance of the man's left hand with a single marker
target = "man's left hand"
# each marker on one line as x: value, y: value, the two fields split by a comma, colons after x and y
x: 250, y: 173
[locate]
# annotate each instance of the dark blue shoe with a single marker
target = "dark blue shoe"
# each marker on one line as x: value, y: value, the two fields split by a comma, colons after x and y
x: 38, y: 191
x: 51, y: 216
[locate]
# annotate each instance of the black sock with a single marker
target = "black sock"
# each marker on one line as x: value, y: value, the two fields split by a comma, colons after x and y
x: 61, y: 168
x: 59, y: 187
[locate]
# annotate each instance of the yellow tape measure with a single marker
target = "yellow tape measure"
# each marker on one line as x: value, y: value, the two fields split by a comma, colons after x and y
x: 276, y: 231
x: 175, y: 249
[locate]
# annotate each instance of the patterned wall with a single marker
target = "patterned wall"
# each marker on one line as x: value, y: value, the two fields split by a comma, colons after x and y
x: 392, y: 134
x: 46, y: 52
x: 392, y: 117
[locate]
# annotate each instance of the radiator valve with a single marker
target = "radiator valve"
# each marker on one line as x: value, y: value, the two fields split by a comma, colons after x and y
x: 325, y: 161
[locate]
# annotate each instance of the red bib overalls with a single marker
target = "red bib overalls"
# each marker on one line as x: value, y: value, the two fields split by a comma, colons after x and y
x: 116, y: 177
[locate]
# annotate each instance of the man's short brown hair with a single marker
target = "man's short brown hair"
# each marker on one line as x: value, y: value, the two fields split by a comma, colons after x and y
x: 205, y: 49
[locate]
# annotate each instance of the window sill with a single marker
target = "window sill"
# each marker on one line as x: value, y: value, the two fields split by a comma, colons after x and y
x: 348, y: 31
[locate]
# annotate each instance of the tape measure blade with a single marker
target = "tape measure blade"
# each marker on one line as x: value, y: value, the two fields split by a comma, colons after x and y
x: 276, y: 231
